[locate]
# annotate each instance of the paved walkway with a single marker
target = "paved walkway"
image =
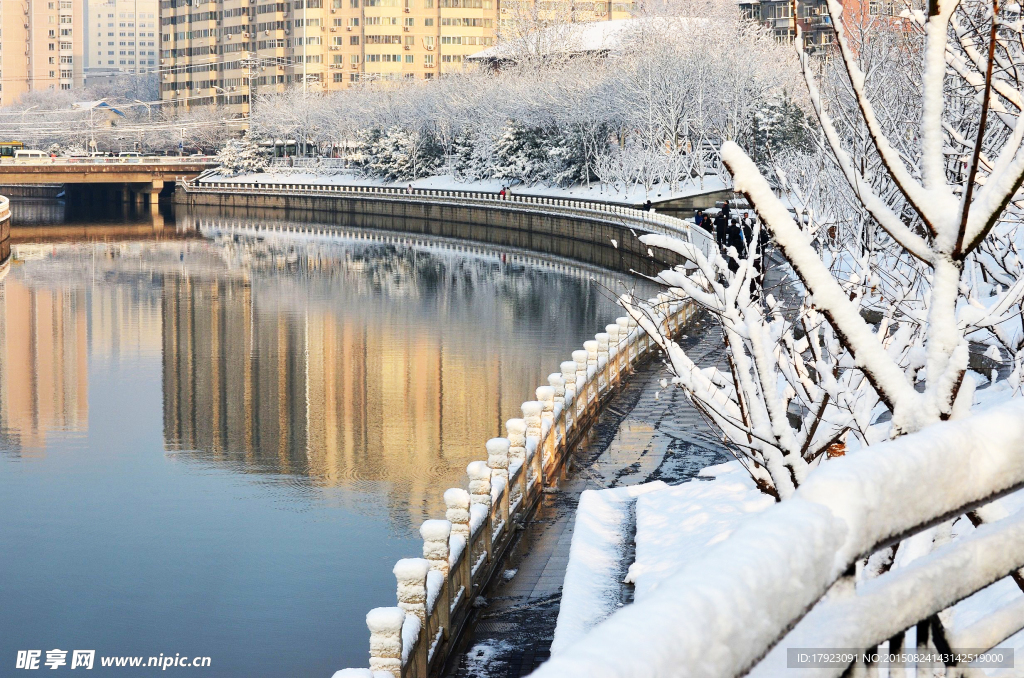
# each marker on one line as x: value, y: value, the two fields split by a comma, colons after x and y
x: 645, y: 433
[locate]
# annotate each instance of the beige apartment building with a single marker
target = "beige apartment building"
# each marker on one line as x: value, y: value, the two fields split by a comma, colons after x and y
x: 41, y: 46
x: 210, y: 50
x: 122, y: 36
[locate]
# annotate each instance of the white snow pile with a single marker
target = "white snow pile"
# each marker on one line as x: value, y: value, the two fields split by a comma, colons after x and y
x: 362, y: 673
x: 678, y: 525
x: 718, y: 614
x: 590, y: 591
x: 486, y: 656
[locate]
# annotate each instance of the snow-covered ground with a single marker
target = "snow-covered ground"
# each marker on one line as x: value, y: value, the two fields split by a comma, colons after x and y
x: 597, y: 192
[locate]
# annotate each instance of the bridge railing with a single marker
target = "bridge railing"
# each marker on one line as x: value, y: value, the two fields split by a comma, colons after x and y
x: 630, y: 216
x: 107, y: 160
x: 787, y: 580
x: 5, y: 208
x: 462, y: 552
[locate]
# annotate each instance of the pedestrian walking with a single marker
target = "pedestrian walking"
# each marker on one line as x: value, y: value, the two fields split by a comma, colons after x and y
x: 698, y: 217
x: 647, y: 206
x: 501, y: 193
x: 721, y: 230
x: 735, y: 240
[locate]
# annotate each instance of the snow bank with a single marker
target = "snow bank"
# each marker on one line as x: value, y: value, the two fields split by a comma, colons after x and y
x: 678, y: 525
x: 717, y: 615
x: 592, y: 578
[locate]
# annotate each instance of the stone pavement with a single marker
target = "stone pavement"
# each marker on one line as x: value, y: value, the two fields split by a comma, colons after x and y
x: 647, y: 432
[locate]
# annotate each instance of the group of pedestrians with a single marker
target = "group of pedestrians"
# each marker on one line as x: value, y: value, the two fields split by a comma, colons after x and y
x: 735, y: 237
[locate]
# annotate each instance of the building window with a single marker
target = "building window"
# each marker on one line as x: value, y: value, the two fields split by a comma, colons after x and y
x: 354, y: 40
x: 428, y: 22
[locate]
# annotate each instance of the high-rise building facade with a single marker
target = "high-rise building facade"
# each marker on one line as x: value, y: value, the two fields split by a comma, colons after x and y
x: 122, y: 36
x: 211, y: 49
x: 41, y: 46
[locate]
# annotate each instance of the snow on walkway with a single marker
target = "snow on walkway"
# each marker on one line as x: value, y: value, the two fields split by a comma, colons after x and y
x: 591, y: 590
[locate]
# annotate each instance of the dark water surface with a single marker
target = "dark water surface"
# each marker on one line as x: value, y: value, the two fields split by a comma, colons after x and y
x: 219, y: 445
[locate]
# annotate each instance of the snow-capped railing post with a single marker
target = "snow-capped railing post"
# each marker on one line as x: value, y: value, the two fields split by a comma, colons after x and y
x: 634, y: 341
x: 624, y: 350
x: 613, y: 353
x: 436, y: 551
x: 411, y: 574
x: 568, y: 368
x: 385, y: 624
x: 557, y: 384
x: 515, y: 431
x: 497, y: 461
x: 546, y: 397
x: 460, y: 575
x: 534, y: 436
x: 603, y: 382
x: 480, y: 505
x: 583, y: 398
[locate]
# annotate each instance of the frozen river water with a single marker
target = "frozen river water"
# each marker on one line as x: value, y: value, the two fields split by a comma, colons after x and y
x: 219, y: 446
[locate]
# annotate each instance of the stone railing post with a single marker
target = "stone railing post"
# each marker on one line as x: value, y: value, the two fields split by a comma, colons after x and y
x: 532, y: 410
x: 457, y: 501
x: 635, y: 346
x: 436, y: 551
x: 411, y: 574
x: 557, y: 387
x: 568, y: 368
x: 624, y: 349
x: 497, y: 458
x: 385, y: 624
x: 515, y: 431
x: 479, y: 483
x: 581, y: 358
x: 602, y: 354
x: 480, y: 494
x: 546, y: 397
x: 613, y: 343
x: 435, y: 535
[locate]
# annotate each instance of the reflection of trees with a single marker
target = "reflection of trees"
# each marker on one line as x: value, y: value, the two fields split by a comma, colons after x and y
x: 361, y: 364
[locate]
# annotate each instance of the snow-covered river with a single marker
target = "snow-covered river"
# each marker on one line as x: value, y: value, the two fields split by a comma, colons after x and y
x: 219, y: 446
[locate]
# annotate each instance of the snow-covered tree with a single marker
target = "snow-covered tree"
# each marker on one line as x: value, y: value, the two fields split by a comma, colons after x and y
x: 242, y: 156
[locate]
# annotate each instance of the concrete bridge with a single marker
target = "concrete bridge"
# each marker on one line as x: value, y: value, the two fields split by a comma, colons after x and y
x: 137, y: 178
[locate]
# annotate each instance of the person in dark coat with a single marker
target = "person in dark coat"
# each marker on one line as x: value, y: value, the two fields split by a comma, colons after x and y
x: 735, y: 238
x: 721, y: 230
x: 698, y: 217
x: 647, y: 205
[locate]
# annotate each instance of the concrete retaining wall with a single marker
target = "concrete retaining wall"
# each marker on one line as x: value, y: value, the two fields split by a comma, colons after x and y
x: 583, y: 239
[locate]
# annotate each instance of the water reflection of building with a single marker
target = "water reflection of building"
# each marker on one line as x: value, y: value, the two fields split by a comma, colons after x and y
x: 357, y: 367
x: 43, y: 362
x: 320, y: 394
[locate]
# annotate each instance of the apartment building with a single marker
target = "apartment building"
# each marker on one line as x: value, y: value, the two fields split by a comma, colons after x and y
x: 782, y: 16
x: 41, y: 46
x: 121, y: 36
x: 211, y: 49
